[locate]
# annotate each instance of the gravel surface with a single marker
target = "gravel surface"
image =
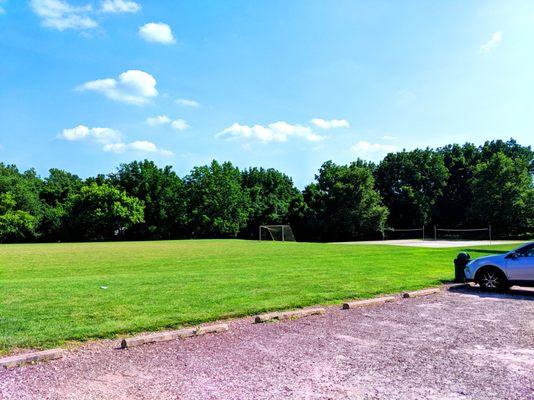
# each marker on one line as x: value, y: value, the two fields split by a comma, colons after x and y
x: 461, y: 344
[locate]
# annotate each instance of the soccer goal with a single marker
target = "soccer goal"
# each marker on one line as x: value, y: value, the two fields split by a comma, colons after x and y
x: 462, y: 233
x: 404, y: 233
x: 279, y: 233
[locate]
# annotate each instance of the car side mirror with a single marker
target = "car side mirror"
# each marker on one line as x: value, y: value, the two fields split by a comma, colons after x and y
x: 513, y: 255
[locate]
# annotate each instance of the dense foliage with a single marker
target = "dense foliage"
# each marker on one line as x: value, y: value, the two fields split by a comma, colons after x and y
x: 454, y: 186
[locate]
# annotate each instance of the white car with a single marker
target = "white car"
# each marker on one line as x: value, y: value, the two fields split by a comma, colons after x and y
x: 503, y: 270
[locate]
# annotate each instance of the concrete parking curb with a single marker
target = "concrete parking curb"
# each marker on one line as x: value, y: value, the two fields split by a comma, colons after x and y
x: 282, y: 315
x: 30, y: 358
x: 420, y: 293
x: 171, y: 335
x: 368, y: 302
x: 203, y: 330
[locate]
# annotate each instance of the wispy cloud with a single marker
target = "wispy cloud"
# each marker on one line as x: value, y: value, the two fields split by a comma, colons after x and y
x: 180, y: 124
x: 133, y: 87
x: 110, y: 140
x: 139, y: 146
x: 330, y: 124
x: 157, y: 32
x: 177, y: 124
x: 119, y: 6
x: 158, y: 120
x: 187, y: 103
x: 364, y: 147
x: 275, y: 132
x: 492, y: 43
x: 60, y: 15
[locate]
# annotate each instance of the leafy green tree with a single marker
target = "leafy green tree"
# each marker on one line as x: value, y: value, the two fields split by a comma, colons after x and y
x: 24, y: 189
x: 343, y: 204
x: 273, y: 198
x: 509, y: 148
x: 163, y: 194
x: 102, y: 212
x: 503, y: 193
x: 460, y: 162
x: 55, y: 192
x: 411, y: 184
x: 217, y: 204
x: 15, y: 225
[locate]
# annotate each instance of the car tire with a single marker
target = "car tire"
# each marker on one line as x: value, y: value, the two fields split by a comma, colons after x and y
x: 492, y: 279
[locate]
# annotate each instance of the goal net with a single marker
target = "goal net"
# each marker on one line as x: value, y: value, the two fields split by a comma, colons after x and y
x: 279, y: 233
x: 404, y: 233
x: 462, y: 234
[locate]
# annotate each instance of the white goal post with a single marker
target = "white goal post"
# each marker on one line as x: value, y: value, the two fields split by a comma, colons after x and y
x: 281, y: 233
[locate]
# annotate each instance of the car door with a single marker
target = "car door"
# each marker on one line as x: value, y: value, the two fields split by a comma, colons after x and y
x: 521, y: 267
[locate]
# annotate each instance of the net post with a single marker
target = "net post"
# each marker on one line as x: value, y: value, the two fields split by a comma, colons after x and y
x: 423, y: 233
x: 489, y: 231
x: 259, y: 236
x: 435, y: 232
x: 283, y: 237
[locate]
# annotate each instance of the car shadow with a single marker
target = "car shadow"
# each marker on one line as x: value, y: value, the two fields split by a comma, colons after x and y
x: 515, y: 292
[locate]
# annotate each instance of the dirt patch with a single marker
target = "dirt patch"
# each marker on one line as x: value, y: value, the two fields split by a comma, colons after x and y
x: 461, y: 344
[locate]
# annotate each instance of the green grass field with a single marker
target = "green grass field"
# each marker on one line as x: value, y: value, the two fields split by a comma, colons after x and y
x: 51, y: 293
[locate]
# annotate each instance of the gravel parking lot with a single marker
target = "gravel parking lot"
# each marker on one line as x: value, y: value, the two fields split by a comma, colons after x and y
x: 460, y: 344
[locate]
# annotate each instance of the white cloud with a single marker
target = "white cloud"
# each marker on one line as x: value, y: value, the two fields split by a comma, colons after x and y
x: 490, y: 45
x: 98, y: 135
x: 2, y: 9
x: 180, y: 124
x: 187, y: 103
x: 133, y: 86
x: 275, y: 132
x: 119, y: 6
x: 111, y: 140
x: 388, y: 137
x: 366, y: 147
x: 60, y: 15
x: 157, y: 32
x: 329, y: 124
x: 139, y: 146
x: 159, y: 120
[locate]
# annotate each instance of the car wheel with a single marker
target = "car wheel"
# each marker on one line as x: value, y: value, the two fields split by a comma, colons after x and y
x: 492, y: 279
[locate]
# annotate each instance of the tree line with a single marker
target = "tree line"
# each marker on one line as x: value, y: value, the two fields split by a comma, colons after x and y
x: 453, y: 186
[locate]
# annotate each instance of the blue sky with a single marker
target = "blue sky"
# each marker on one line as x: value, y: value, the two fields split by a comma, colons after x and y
x: 87, y: 84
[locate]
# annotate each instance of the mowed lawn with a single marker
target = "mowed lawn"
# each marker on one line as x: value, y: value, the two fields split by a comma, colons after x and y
x: 51, y: 294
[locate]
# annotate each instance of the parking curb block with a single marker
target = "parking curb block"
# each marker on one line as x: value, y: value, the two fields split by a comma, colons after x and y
x: 31, y: 358
x: 420, y: 293
x: 368, y: 302
x: 171, y: 335
x: 283, y: 315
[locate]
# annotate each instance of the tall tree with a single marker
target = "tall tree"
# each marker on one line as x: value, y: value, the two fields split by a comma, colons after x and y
x: 273, y: 198
x: 411, y: 183
x: 162, y: 192
x: 218, y: 206
x: 15, y: 225
x: 503, y: 194
x: 460, y: 162
x: 23, y: 188
x: 343, y: 204
x: 55, y: 192
x: 102, y: 212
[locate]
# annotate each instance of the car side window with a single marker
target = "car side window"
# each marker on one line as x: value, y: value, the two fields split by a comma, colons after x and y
x: 527, y: 251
